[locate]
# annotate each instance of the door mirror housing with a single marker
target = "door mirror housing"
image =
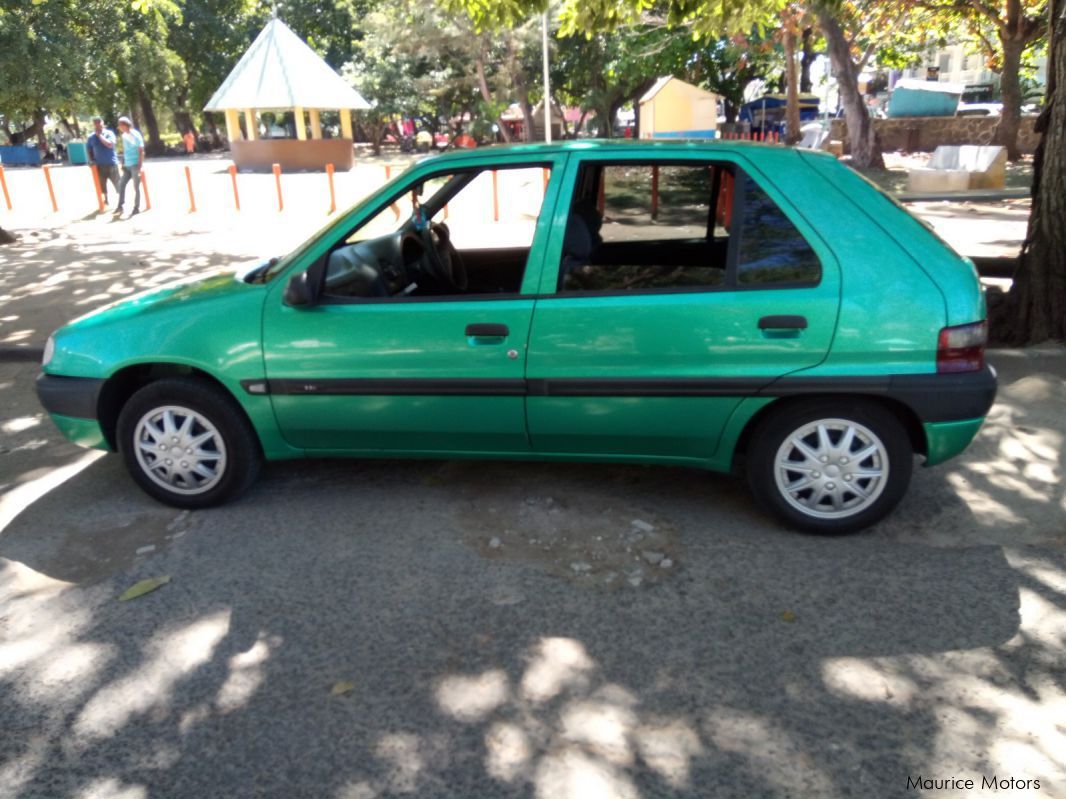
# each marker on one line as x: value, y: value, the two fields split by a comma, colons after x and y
x: 305, y: 289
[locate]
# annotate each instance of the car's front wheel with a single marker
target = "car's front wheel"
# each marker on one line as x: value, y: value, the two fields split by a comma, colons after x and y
x: 186, y: 443
x: 830, y: 466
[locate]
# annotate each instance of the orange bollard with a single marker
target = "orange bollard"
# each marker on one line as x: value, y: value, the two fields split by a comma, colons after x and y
x: 332, y: 194
x: 655, y: 192
x: 192, y: 197
x: 144, y: 189
x: 495, y: 197
x: 547, y: 177
x: 277, y: 182
x: 388, y: 176
x: 51, y: 189
x: 99, y: 189
x: 3, y: 185
x: 233, y: 178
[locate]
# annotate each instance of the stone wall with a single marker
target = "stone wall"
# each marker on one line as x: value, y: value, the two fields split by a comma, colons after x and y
x: 925, y: 134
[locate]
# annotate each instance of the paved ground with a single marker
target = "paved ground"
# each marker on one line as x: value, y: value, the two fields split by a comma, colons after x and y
x: 367, y: 629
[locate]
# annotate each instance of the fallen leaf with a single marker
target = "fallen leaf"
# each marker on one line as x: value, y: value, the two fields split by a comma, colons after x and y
x: 788, y: 616
x: 342, y: 688
x: 144, y: 587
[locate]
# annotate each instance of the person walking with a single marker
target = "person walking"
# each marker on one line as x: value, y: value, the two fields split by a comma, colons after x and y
x: 132, y: 159
x: 100, y: 147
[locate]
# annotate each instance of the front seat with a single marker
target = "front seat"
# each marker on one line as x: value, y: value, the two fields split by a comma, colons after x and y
x: 580, y: 240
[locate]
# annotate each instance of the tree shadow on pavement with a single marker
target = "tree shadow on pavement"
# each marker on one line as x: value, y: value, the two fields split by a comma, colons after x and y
x: 767, y: 663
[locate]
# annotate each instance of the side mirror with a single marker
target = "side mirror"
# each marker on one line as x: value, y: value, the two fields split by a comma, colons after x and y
x: 305, y: 288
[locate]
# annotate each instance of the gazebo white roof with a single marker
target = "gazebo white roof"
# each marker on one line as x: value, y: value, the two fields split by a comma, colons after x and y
x: 279, y: 71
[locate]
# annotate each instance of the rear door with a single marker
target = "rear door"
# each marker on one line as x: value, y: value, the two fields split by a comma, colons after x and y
x: 707, y: 285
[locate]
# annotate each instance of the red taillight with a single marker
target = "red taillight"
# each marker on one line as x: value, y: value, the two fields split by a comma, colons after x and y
x: 962, y: 348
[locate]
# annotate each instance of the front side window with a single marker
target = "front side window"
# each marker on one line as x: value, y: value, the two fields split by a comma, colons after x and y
x: 660, y: 226
x: 452, y: 234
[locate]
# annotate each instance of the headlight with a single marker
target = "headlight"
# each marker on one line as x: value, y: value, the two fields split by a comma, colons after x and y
x: 49, y: 351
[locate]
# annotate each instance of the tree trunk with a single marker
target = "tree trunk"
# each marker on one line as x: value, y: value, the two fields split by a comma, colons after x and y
x: 865, y: 143
x: 1011, y: 90
x: 155, y: 144
x: 38, y: 124
x: 806, y: 60
x: 792, y: 109
x: 22, y: 136
x: 1035, y: 308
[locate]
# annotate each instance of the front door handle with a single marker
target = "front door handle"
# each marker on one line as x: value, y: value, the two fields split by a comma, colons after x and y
x: 487, y: 331
x: 783, y: 322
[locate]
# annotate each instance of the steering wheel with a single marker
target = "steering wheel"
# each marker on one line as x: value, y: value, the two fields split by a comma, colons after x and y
x: 442, y: 259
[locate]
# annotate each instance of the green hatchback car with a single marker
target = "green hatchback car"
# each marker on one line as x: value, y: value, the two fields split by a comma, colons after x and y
x: 727, y: 306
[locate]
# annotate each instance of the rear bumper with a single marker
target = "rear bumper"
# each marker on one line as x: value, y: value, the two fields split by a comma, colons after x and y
x: 945, y: 440
x: 933, y: 397
x: 946, y: 397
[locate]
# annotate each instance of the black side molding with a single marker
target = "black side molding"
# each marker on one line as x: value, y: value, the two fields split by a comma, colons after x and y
x: 69, y: 396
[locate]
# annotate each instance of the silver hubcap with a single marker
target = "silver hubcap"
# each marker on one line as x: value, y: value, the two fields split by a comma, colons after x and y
x: 831, y: 468
x: 180, y: 450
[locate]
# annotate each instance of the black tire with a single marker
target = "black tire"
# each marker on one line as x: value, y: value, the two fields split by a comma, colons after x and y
x: 233, y: 473
x: 811, y: 508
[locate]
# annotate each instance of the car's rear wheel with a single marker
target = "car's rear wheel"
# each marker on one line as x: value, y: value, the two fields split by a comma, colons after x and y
x: 186, y: 443
x: 830, y: 466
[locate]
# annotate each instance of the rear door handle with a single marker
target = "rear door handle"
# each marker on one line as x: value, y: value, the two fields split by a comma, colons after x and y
x: 487, y: 330
x: 783, y: 322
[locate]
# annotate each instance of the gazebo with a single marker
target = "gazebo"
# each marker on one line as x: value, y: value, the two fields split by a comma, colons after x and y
x: 279, y: 72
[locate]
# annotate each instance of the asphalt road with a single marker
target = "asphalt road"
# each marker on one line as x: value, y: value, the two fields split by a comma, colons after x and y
x: 351, y: 629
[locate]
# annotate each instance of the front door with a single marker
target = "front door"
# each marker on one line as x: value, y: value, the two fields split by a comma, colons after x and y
x: 394, y: 360
x: 695, y: 291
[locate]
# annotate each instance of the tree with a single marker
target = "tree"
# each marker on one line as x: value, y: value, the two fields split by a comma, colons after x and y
x: 1034, y: 310
x: 57, y: 51
x: 1005, y: 29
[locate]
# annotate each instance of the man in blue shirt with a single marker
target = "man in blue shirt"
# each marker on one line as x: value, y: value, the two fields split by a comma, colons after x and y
x: 101, y: 149
x: 132, y: 158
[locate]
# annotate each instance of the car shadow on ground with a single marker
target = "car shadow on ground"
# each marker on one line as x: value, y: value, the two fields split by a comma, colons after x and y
x: 347, y: 630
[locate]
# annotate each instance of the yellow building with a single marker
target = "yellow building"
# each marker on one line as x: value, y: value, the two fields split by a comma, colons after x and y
x: 673, y: 109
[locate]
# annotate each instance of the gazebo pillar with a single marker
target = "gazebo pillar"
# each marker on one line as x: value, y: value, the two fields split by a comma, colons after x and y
x: 346, y: 124
x: 233, y: 124
x: 316, y: 123
x: 250, y: 125
x: 301, y: 130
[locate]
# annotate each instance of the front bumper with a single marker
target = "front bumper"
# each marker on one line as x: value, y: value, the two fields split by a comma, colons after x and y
x: 72, y: 403
x: 70, y: 396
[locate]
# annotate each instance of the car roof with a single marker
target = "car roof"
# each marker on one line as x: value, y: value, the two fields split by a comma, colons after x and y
x: 651, y: 146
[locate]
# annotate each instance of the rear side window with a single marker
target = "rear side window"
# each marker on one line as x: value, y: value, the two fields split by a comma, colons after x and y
x: 647, y: 227
x: 771, y: 249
